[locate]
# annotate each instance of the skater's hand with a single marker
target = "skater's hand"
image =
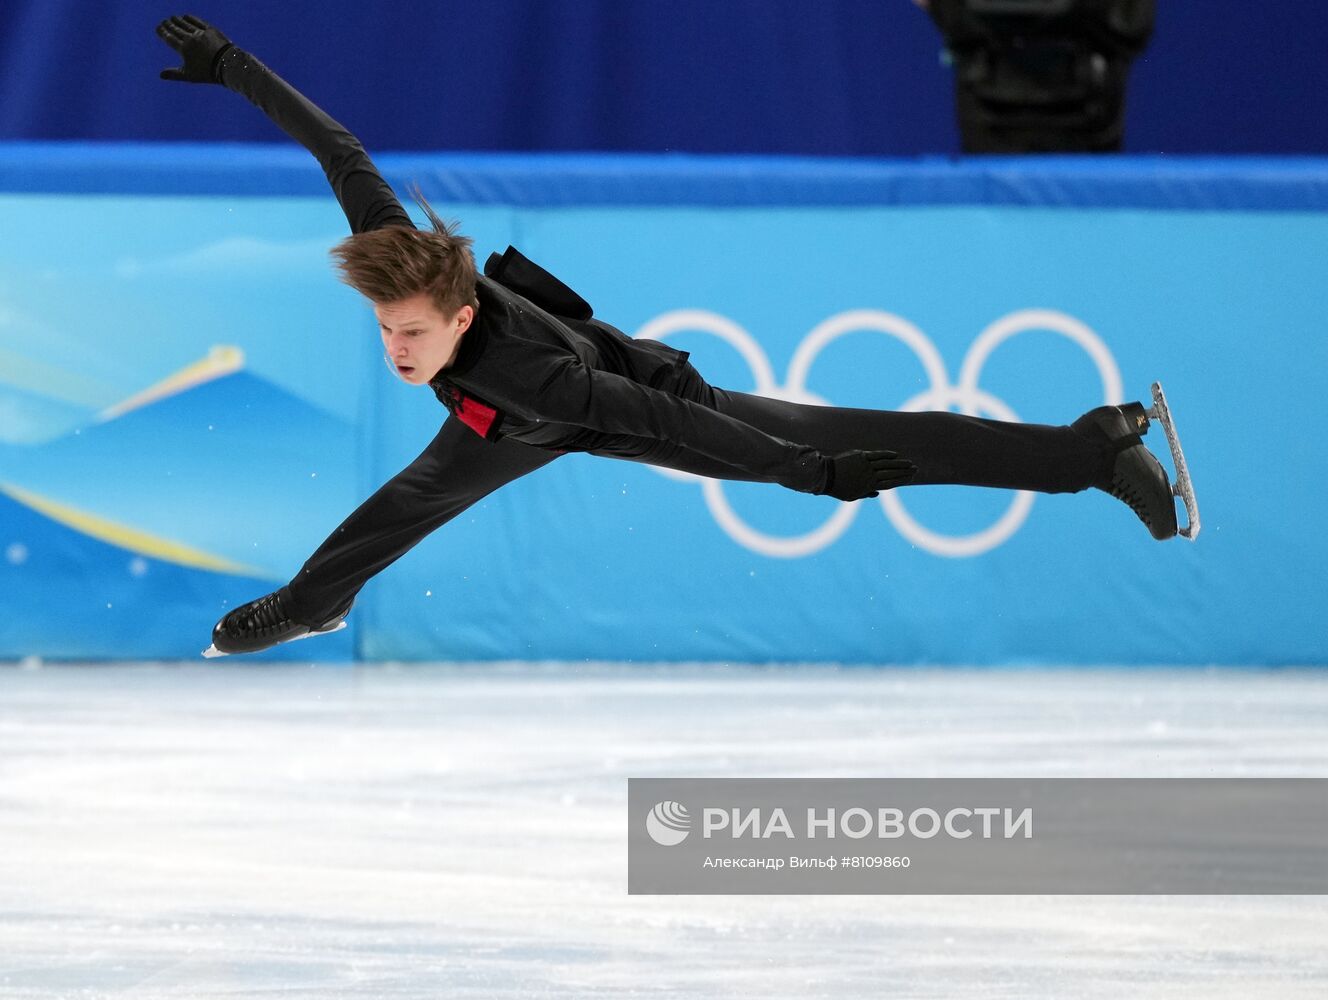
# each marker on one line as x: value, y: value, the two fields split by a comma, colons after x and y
x: 201, y: 45
x: 856, y: 475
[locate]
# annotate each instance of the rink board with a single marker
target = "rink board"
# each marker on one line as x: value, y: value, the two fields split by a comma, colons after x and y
x: 144, y: 489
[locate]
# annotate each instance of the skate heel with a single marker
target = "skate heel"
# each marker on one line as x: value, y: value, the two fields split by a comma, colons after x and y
x: 1136, y: 416
x: 1183, y: 486
x: 1121, y: 425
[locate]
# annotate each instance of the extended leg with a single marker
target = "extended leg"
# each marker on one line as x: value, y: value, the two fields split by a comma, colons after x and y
x: 946, y: 447
x: 1101, y: 449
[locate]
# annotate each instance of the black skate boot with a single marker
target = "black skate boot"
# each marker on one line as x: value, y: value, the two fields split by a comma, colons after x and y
x: 1136, y: 477
x: 266, y: 622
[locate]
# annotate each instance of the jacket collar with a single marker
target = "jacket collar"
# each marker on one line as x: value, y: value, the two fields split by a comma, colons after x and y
x: 474, y: 339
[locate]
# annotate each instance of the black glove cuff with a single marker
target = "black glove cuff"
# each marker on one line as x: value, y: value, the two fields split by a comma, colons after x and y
x: 216, y: 61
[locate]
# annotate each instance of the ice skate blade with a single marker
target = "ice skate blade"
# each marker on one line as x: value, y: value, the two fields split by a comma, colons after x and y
x: 212, y: 652
x: 1183, y: 487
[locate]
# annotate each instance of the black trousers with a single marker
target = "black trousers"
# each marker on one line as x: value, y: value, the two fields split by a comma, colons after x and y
x: 948, y: 448
x: 459, y: 468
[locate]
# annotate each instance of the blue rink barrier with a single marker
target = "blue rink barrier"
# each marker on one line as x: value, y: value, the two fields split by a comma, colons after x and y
x: 189, y: 403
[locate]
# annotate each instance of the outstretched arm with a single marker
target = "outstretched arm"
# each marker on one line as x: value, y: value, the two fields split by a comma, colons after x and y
x: 456, y: 470
x: 210, y: 57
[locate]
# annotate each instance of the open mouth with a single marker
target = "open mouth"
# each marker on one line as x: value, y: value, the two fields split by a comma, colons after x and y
x: 404, y: 370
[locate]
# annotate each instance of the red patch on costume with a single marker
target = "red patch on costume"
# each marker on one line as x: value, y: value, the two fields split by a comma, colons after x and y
x: 482, y: 418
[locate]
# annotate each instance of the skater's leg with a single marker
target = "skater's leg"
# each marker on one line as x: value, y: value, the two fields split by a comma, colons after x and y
x: 946, y: 447
x: 1101, y: 449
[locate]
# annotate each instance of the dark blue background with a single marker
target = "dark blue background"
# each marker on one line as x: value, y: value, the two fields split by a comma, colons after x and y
x: 835, y: 77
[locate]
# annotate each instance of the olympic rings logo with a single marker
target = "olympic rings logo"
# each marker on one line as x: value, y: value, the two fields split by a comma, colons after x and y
x: 942, y: 394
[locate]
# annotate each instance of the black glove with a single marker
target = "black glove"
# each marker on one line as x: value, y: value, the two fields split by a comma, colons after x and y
x: 856, y: 475
x: 201, y: 45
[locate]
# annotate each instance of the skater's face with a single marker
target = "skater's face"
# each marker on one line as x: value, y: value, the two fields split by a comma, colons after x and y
x: 418, y: 339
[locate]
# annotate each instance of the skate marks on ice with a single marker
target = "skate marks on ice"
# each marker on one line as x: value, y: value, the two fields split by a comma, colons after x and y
x: 185, y: 832
x: 1183, y: 487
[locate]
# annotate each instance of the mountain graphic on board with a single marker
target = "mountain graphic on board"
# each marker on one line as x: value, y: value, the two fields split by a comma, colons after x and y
x: 69, y: 593
x: 211, y: 438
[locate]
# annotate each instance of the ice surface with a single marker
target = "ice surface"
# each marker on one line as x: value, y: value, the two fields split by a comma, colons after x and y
x: 231, y: 830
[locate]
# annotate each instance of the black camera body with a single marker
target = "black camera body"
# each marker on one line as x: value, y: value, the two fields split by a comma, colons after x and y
x: 1042, y: 75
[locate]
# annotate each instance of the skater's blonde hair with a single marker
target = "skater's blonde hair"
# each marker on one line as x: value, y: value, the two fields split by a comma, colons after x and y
x: 396, y: 262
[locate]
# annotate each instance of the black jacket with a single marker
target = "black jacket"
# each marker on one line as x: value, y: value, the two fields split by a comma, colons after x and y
x: 536, y: 375
x: 535, y: 366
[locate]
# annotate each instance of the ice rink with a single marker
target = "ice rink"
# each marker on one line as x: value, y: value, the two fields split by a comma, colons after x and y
x: 234, y: 830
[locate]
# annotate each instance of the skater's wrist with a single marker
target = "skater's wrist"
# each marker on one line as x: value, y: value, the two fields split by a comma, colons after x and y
x: 231, y: 64
x: 810, y: 472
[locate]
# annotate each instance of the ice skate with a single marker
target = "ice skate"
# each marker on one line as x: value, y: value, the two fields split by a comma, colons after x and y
x: 1136, y: 477
x: 264, y: 623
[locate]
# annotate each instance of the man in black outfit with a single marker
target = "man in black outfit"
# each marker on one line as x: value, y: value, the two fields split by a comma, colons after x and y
x: 528, y: 374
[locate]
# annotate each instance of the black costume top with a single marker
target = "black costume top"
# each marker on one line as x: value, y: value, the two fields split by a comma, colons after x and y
x: 534, y: 366
x: 537, y: 375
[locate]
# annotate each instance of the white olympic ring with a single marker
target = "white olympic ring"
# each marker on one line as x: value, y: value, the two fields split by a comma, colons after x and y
x: 941, y: 395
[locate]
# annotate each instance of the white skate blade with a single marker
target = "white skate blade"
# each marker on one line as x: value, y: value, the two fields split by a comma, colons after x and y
x: 1183, y: 486
x: 212, y: 651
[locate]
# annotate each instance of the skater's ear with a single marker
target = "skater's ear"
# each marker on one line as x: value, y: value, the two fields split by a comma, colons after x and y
x: 463, y: 317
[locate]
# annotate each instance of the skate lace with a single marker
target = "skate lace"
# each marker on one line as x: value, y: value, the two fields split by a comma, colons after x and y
x: 264, y: 615
x: 1122, y: 490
